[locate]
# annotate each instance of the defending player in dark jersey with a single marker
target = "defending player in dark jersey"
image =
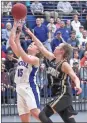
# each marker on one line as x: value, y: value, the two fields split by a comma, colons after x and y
x: 59, y: 70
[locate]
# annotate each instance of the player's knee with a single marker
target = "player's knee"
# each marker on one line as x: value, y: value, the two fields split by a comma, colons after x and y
x: 35, y: 112
x: 44, y: 118
x: 24, y: 118
x: 48, y: 111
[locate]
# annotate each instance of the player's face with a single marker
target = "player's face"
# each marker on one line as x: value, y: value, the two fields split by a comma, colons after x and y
x: 58, y: 50
x: 33, y: 48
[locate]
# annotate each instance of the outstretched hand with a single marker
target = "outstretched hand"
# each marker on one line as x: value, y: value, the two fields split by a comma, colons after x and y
x: 18, y: 24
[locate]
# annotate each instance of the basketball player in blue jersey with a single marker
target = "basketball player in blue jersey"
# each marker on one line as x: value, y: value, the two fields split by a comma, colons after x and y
x: 28, y: 97
x: 59, y: 69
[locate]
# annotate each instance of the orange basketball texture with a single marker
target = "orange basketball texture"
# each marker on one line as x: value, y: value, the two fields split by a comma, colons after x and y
x: 19, y: 11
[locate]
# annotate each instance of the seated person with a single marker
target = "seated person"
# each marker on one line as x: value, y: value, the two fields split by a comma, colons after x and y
x: 65, y: 7
x: 37, y: 8
x: 75, y: 58
x: 83, y: 77
x: 56, y: 41
x: 10, y: 60
x: 82, y: 61
x: 73, y: 40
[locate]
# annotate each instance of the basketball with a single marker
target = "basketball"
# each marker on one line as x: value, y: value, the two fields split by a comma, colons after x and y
x: 19, y: 11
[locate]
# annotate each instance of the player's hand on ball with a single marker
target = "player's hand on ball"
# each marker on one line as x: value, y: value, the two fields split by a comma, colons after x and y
x: 18, y: 24
x: 79, y: 90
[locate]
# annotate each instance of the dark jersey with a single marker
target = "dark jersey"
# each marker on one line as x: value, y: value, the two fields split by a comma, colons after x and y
x: 57, y: 79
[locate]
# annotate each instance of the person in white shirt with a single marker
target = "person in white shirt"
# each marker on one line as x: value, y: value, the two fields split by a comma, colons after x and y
x: 51, y: 27
x: 83, y: 39
x: 64, y: 7
x: 75, y: 58
x: 76, y: 24
x: 79, y: 35
x: 37, y: 8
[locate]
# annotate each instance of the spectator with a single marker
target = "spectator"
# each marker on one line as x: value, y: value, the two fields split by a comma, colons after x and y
x: 42, y: 76
x: 79, y: 35
x: 37, y: 8
x: 75, y: 59
x: 42, y: 33
x: 8, y: 30
x: 3, y: 47
x: 56, y: 41
x: 73, y: 40
x: 42, y: 21
x: 26, y: 42
x: 64, y: 31
x: 83, y: 41
x: 75, y: 24
x: 27, y: 3
x: 82, y: 61
x: 12, y: 75
x: 68, y: 25
x: 3, y: 60
x: 51, y: 27
x: 4, y: 83
x: 85, y: 49
x: 58, y: 23
x: 83, y: 77
x: 10, y: 60
x: 6, y: 7
x: 65, y: 7
x: 76, y: 68
x: 3, y: 50
x: 3, y: 33
x: 3, y: 54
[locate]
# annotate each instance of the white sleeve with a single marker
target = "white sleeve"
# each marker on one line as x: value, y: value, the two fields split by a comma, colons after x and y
x: 71, y: 62
x: 59, y: 6
x: 70, y: 7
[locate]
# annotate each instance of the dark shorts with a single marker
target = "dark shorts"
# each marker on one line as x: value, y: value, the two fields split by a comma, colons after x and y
x: 61, y: 102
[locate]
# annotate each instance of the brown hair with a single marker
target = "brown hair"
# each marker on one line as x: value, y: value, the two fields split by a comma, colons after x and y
x: 39, y: 55
x: 68, y: 51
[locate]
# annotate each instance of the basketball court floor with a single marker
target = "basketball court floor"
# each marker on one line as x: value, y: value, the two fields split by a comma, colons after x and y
x: 80, y: 118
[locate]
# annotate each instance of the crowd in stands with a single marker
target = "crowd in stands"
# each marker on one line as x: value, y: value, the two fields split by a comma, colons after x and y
x: 51, y: 30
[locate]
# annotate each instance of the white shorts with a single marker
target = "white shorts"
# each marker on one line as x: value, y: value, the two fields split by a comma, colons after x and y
x: 27, y: 98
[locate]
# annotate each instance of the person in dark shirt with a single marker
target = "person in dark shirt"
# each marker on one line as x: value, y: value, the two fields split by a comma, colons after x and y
x: 73, y: 41
x: 59, y: 69
x: 56, y: 41
x: 26, y: 42
x: 9, y: 62
x: 64, y: 30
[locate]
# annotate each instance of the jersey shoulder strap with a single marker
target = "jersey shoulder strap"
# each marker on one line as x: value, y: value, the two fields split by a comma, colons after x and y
x: 59, y: 65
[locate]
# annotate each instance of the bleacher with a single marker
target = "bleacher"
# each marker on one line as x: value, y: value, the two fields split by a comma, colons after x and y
x: 50, y: 6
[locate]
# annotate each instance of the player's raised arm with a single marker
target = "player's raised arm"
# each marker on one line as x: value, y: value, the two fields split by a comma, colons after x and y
x: 66, y: 68
x: 41, y: 47
x: 27, y: 58
x: 12, y: 39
